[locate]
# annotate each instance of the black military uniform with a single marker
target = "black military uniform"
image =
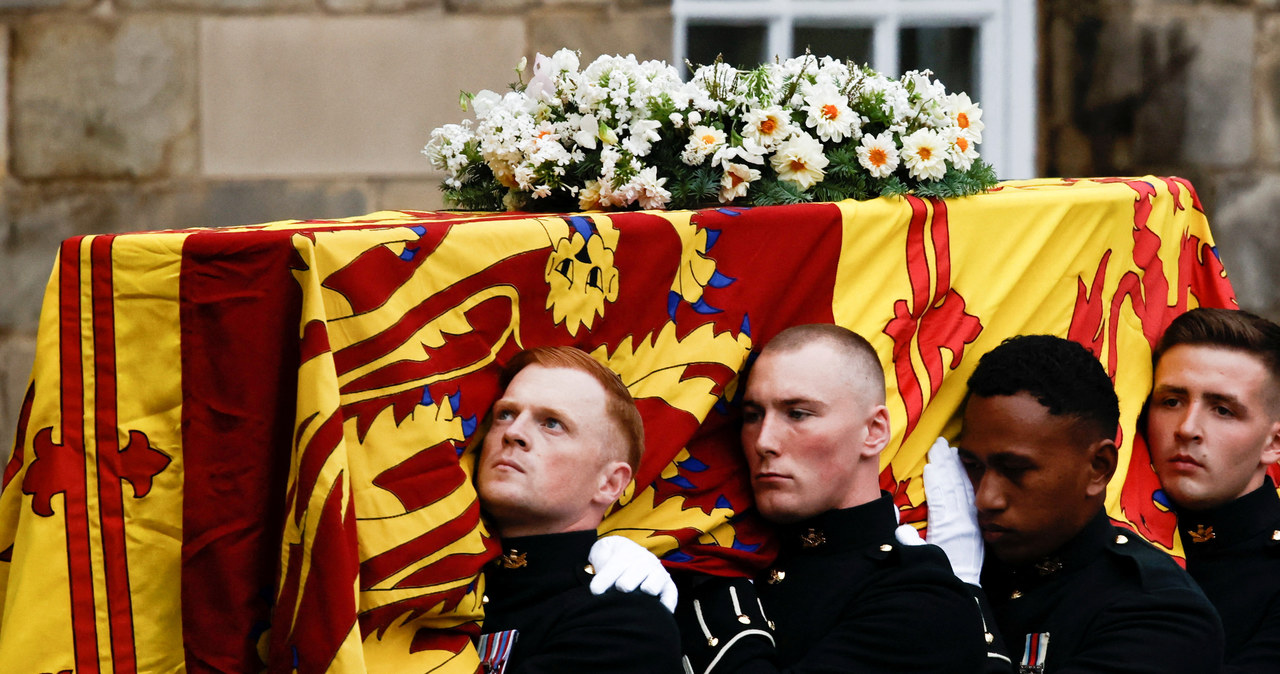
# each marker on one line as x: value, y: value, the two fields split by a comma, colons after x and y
x: 843, y: 596
x: 1233, y: 552
x: 1108, y: 601
x: 539, y: 588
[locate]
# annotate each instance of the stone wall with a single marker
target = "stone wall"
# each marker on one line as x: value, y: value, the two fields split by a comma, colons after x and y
x: 123, y: 115
x: 1181, y: 87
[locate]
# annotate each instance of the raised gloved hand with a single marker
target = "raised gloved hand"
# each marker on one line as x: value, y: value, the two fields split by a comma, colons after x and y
x: 622, y: 563
x: 953, y: 514
x: 722, y: 625
x: 908, y: 535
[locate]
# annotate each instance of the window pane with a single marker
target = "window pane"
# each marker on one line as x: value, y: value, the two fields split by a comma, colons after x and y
x: 742, y: 46
x: 846, y: 43
x: 949, y: 52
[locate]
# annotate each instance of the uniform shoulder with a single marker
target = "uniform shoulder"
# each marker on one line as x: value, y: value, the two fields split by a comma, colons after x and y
x: 1154, y: 568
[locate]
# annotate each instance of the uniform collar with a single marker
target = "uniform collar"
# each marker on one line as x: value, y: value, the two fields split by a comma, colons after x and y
x: 1078, y: 552
x: 531, y: 568
x: 1253, y: 514
x: 843, y: 528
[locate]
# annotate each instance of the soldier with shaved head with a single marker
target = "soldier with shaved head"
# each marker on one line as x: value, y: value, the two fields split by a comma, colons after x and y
x: 843, y: 594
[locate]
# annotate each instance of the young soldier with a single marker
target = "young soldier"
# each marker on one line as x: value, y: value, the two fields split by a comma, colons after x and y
x: 1069, y: 591
x: 1213, y: 427
x: 563, y: 441
x: 843, y: 595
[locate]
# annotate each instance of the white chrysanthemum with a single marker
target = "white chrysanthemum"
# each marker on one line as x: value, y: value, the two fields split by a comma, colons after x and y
x: 963, y: 150
x: 767, y: 127
x: 829, y: 113
x: 878, y: 154
x: 800, y: 160
x: 643, y: 134
x: 587, y: 128
x: 966, y: 116
x: 925, y: 153
x: 750, y: 152
x: 736, y: 180
x: 703, y: 140
x: 650, y: 193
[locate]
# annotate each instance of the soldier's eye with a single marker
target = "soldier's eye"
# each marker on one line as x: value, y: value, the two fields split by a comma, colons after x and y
x: 593, y: 278
x: 564, y: 267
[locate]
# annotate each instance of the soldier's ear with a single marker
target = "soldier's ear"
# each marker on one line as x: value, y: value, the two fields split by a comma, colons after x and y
x: 1103, y: 458
x: 878, y: 432
x: 614, y: 478
x: 1271, y: 450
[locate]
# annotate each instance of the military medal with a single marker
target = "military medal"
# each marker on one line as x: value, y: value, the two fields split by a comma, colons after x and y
x: 495, y: 650
x: 1034, y: 654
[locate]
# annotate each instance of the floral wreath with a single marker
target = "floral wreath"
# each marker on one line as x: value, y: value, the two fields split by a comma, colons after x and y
x: 628, y: 134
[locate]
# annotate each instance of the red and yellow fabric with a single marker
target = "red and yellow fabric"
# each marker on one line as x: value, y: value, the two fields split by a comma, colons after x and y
x: 247, y: 449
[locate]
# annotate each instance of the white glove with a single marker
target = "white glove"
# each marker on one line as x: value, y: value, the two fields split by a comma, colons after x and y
x: 907, y: 535
x: 622, y: 563
x: 953, y: 514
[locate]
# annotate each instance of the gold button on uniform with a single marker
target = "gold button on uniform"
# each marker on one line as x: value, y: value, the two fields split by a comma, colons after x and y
x: 1275, y: 535
x: 776, y: 576
x: 591, y: 570
x: 742, y: 618
x: 989, y: 637
x: 484, y: 599
x: 1016, y: 594
x: 886, y: 547
x: 1121, y: 539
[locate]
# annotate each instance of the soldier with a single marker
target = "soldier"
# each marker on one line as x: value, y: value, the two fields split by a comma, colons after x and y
x: 843, y: 595
x: 1069, y: 591
x: 563, y: 441
x: 1213, y: 427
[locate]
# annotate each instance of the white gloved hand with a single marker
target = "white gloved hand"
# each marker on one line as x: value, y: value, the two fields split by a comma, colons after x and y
x: 907, y: 535
x: 953, y: 513
x: 622, y: 563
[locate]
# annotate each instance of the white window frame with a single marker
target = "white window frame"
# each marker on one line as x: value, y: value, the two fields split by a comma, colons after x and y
x: 1006, y: 76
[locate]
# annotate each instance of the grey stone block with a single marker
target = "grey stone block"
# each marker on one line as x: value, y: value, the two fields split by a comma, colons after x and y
x: 645, y: 33
x: 1247, y: 234
x: 1196, y: 101
x: 252, y: 202
x: 1269, y: 91
x: 354, y: 6
x: 104, y: 99
x: 17, y: 353
x: 1220, y: 111
x: 487, y: 6
x: 4, y: 102
x: 36, y: 219
x: 410, y: 195
x: 6, y: 5
x: 219, y: 5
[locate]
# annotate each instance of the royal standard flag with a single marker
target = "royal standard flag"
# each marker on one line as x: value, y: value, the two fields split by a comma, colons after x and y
x: 249, y: 449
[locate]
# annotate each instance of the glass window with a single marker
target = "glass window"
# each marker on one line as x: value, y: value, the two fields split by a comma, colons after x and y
x: 844, y: 43
x: 984, y: 47
x: 741, y: 46
x: 948, y: 52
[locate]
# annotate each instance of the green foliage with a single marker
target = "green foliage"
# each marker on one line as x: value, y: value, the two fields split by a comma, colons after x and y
x: 773, y: 192
x: 980, y: 177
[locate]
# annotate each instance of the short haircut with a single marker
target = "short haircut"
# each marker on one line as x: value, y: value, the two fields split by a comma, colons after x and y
x: 1227, y: 329
x: 847, y: 342
x: 619, y: 404
x: 1059, y: 373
